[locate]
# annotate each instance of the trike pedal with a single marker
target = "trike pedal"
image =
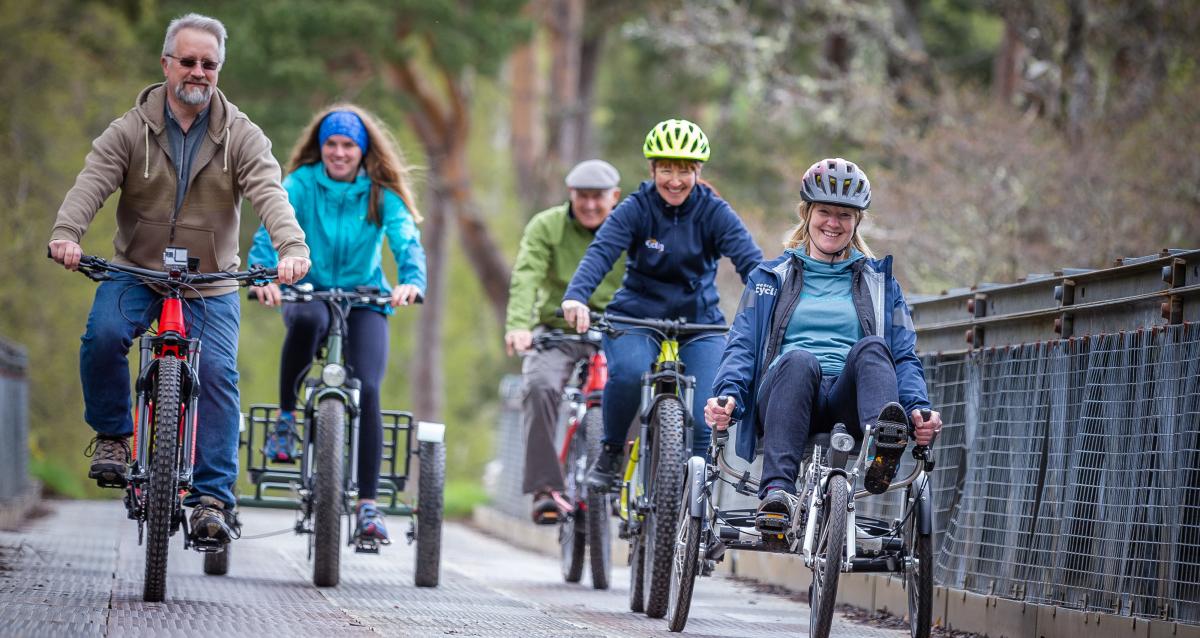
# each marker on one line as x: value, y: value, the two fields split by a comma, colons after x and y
x: 772, y: 522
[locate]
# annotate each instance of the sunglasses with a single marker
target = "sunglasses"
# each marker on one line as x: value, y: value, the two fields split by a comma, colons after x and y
x: 207, y: 65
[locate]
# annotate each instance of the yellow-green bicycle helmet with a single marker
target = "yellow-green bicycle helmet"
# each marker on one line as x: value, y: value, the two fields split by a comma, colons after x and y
x: 676, y: 139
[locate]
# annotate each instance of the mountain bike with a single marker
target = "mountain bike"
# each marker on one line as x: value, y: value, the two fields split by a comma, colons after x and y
x: 652, y: 484
x: 825, y: 529
x: 165, y: 416
x: 326, y: 481
x: 584, y: 529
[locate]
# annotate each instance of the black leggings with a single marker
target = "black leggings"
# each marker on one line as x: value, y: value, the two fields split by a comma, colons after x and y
x: 366, y: 349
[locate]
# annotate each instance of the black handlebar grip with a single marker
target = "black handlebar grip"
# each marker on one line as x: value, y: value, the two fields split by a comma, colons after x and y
x: 926, y: 414
x: 558, y: 312
x: 721, y: 436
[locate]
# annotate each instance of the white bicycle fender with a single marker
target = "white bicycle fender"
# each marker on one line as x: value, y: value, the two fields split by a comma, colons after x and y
x: 429, y: 432
x: 695, y: 477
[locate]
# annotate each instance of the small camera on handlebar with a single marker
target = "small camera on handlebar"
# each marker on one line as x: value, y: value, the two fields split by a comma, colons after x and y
x: 175, y: 259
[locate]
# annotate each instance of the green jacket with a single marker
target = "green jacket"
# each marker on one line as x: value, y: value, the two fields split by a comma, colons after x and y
x: 551, y: 248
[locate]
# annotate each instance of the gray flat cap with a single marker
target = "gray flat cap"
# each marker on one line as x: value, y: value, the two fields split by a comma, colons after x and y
x: 593, y: 174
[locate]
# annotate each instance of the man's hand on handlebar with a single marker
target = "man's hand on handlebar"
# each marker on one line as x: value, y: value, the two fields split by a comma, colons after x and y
x: 924, y: 429
x: 577, y: 314
x: 65, y: 252
x: 292, y: 269
x: 517, y: 341
x: 268, y: 295
x: 405, y: 294
x: 717, y: 412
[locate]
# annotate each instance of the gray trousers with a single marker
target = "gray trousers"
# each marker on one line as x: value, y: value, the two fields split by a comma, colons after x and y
x: 543, y: 375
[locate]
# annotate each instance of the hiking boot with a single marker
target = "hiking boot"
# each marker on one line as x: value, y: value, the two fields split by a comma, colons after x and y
x: 775, y: 512
x: 110, y: 460
x: 603, y: 472
x: 211, y: 524
x: 283, y: 445
x: 891, y: 437
x: 370, y: 524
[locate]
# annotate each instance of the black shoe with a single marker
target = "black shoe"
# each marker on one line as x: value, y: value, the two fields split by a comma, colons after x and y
x: 891, y: 437
x: 211, y: 525
x: 774, y: 513
x: 603, y: 472
x: 110, y: 460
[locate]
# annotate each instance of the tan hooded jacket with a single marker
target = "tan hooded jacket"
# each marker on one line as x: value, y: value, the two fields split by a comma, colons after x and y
x: 133, y: 154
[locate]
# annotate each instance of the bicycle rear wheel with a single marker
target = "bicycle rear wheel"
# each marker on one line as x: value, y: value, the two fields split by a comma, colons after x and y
x: 328, y: 480
x: 827, y: 558
x: 598, y: 531
x: 667, y: 469
x: 159, y: 495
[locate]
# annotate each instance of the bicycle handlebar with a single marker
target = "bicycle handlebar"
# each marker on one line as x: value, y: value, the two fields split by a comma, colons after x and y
x: 367, y: 296
x: 97, y: 269
x: 604, y: 321
x: 545, y: 339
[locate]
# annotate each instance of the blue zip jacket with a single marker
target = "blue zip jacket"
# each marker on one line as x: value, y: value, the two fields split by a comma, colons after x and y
x: 347, y: 248
x: 755, y: 336
x: 672, y: 255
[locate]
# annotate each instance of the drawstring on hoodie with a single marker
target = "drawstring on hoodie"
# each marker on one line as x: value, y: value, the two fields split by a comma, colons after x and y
x: 225, y: 165
x: 146, y: 172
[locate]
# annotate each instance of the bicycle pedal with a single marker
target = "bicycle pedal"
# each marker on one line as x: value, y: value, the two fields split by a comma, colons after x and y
x: 109, y: 479
x: 366, y: 546
x: 891, y: 435
x: 772, y: 522
x: 207, y: 545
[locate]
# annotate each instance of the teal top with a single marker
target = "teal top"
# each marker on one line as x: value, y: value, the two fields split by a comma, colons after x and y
x: 824, y: 322
x: 346, y: 248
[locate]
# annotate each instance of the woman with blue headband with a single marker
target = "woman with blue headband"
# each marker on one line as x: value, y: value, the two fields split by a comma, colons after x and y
x: 349, y: 185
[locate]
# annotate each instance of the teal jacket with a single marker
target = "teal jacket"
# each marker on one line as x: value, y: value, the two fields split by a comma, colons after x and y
x: 346, y: 248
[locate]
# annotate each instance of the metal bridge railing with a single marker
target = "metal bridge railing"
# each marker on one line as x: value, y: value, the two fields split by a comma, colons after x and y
x: 14, y: 421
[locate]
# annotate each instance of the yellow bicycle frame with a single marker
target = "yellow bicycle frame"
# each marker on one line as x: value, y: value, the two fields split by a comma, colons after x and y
x: 668, y: 352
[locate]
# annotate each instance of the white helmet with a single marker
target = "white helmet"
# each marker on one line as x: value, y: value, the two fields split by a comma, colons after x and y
x: 838, y: 182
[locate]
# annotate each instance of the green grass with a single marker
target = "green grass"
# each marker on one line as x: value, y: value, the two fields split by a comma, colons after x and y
x: 462, y: 496
x: 57, y: 479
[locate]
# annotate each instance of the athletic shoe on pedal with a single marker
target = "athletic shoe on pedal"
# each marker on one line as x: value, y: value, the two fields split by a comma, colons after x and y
x: 370, y: 525
x: 110, y: 460
x: 549, y: 506
x: 210, y: 524
x: 774, y: 512
x: 283, y: 445
x: 603, y: 472
x: 891, y: 437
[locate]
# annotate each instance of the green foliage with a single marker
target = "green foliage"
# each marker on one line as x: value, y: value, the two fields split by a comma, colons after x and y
x: 462, y: 497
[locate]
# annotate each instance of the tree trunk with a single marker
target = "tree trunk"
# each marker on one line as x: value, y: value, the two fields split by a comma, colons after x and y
x: 428, y: 384
x: 526, y: 118
x: 1078, y: 85
x: 585, y: 133
x: 1006, y: 67
x: 564, y: 23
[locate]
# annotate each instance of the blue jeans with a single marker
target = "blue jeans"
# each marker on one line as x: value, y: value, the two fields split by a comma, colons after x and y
x: 104, y: 370
x: 796, y: 401
x: 631, y: 355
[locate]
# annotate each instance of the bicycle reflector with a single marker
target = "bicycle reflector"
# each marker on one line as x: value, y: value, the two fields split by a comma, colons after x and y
x: 333, y: 375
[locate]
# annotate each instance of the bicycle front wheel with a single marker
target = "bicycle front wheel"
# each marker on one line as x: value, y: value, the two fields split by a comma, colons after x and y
x: 918, y: 578
x: 160, y: 497
x: 667, y: 469
x: 328, y: 480
x: 827, y: 559
x: 598, y: 530
x: 685, y: 562
x: 572, y: 526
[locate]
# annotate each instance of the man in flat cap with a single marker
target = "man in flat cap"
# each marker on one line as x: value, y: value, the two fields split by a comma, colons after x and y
x: 553, y: 243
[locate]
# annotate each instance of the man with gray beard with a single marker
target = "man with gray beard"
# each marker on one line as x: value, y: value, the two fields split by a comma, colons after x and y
x: 183, y: 158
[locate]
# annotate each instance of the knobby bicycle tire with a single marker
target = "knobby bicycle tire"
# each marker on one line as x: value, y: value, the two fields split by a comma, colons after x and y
x: 430, y: 503
x: 161, y: 501
x: 328, y: 483
x: 667, y: 468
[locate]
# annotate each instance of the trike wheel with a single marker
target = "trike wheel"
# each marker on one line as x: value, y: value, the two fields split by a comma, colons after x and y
x: 430, y: 504
x: 918, y: 580
x: 667, y: 467
x: 328, y: 479
x: 159, y: 493
x: 684, y: 563
x: 827, y: 558
x: 572, y: 526
x: 598, y: 536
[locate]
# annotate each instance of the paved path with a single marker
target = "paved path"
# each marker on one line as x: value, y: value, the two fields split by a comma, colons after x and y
x: 78, y: 572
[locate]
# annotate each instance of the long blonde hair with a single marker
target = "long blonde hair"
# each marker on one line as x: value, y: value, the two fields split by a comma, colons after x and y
x: 383, y: 161
x: 798, y: 237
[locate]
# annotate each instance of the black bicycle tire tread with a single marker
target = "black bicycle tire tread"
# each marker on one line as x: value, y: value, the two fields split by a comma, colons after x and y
x: 837, y: 500
x: 572, y: 535
x: 668, y: 481
x: 679, y: 600
x: 217, y: 563
x: 921, y: 622
x: 598, y: 531
x: 160, y: 490
x: 430, y: 504
x: 327, y: 491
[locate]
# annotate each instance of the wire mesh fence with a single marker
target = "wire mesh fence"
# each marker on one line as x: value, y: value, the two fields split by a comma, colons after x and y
x: 14, y: 421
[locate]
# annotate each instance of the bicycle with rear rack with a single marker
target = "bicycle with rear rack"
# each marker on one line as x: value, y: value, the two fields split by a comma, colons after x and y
x: 324, y: 486
x: 583, y: 530
x: 824, y: 529
x: 165, y: 415
x: 651, y: 489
